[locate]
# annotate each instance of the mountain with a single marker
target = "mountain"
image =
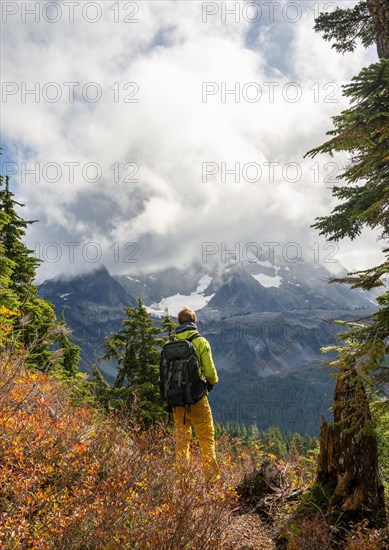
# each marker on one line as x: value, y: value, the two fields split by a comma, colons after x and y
x: 94, y: 306
x: 266, y: 322
x: 243, y: 288
x: 266, y: 287
x: 96, y: 287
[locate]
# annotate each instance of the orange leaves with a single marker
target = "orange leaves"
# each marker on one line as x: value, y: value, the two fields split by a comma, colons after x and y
x: 7, y: 318
x: 72, y: 478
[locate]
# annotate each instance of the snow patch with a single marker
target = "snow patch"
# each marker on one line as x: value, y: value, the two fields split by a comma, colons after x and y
x: 196, y: 300
x: 203, y: 284
x: 267, y: 280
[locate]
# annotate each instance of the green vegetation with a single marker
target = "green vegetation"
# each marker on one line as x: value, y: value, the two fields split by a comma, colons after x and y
x: 349, y: 449
x: 272, y: 441
x: 34, y: 319
x: 29, y: 325
x: 294, y: 401
x: 136, y: 349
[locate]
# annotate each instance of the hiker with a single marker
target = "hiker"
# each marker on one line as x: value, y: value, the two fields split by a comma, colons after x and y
x: 199, y: 414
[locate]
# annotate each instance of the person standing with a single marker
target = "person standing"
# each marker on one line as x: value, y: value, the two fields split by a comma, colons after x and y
x: 198, y: 415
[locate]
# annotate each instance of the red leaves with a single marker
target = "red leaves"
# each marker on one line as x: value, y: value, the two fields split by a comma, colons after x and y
x: 73, y: 478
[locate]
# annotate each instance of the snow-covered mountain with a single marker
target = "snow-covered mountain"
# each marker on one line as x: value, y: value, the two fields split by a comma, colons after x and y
x: 264, y: 321
x: 243, y: 288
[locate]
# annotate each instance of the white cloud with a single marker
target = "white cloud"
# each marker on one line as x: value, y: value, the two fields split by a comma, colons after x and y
x: 170, y: 132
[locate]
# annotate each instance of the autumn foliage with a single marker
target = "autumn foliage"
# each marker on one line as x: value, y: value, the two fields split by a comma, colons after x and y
x: 75, y: 478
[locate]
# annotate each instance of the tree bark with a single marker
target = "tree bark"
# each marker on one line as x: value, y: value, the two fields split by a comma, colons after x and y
x: 348, y: 461
x: 379, y: 11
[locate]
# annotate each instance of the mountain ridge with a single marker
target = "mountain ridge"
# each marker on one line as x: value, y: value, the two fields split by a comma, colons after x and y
x: 256, y: 331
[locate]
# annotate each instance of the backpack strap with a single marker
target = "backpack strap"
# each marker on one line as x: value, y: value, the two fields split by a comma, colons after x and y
x: 197, y: 335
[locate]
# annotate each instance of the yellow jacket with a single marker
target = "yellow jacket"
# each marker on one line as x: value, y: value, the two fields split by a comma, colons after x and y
x: 203, y: 351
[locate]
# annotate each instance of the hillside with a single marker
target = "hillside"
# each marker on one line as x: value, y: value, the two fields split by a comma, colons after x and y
x: 73, y: 478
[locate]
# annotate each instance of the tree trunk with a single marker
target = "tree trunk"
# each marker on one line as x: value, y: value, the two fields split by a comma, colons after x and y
x: 348, y: 460
x: 379, y: 11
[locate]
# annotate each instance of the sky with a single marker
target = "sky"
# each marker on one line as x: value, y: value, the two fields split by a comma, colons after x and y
x: 145, y: 135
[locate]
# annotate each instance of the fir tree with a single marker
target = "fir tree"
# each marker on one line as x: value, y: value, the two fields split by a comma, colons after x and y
x: 8, y: 297
x: 168, y: 325
x: 367, y: 21
x: 363, y: 131
x: 348, y: 448
x: 297, y: 444
x: 9, y: 303
x: 101, y: 390
x: 135, y: 348
x: 70, y: 351
x: 344, y: 27
x: 25, y: 264
x: 274, y: 441
x: 35, y: 325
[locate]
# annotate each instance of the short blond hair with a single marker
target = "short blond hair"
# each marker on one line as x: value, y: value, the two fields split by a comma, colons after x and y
x: 186, y: 315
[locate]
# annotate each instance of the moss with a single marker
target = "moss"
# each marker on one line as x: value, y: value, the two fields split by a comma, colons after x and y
x: 316, y: 497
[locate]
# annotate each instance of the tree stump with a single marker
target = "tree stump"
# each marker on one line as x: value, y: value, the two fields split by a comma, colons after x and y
x: 348, y: 460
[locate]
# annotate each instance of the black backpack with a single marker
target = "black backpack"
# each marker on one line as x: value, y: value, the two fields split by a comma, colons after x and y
x: 179, y: 380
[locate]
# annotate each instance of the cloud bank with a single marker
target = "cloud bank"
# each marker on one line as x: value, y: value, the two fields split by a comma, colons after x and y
x: 136, y: 132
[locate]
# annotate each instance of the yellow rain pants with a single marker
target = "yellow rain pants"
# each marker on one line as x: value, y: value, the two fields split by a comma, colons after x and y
x: 199, y: 416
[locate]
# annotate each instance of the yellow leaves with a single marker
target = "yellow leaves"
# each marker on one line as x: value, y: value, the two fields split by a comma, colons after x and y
x: 244, y: 455
x: 6, y: 312
x: 7, y: 318
x: 73, y: 475
x: 140, y: 484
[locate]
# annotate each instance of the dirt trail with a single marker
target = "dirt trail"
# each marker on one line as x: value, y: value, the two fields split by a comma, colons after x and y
x: 247, y: 532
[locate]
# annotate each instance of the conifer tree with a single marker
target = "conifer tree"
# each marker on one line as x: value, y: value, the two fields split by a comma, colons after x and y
x: 363, y: 131
x: 135, y: 348
x: 71, y: 352
x: 220, y: 430
x: 8, y: 297
x: 297, y: 444
x: 168, y: 325
x: 25, y: 264
x: 367, y: 21
x: 36, y: 322
x: 101, y: 390
x: 9, y: 303
x: 254, y: 432
x: 274, y: 441
x: 348, y: 460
